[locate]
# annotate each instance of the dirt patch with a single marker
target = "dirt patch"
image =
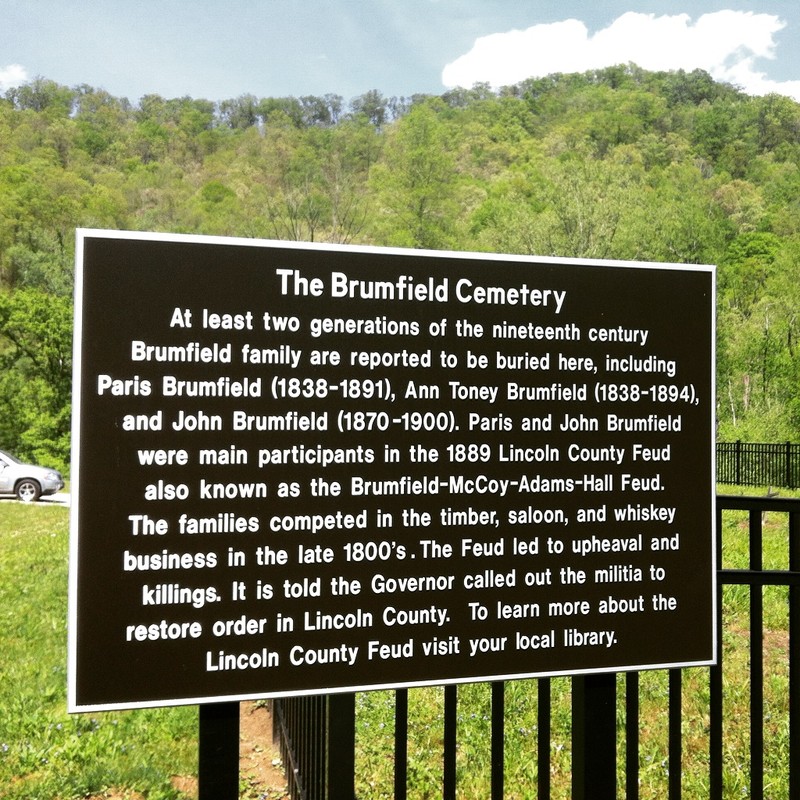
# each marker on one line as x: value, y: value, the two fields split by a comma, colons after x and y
x: 260, y: 767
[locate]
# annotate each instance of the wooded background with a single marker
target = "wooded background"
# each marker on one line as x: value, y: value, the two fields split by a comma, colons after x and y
x: 616, y: 163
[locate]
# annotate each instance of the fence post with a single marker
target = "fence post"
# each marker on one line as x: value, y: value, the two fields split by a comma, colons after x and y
x: 594, y: 737
x: 789, y: 481
x: 341, y: 743
x: 218, y: 752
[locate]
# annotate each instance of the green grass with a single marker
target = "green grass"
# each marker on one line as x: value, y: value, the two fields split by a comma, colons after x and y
x: 375, y: 720
x: 45, y: 753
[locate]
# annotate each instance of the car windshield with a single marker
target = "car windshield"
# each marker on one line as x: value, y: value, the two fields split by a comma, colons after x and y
x: 9, y: 457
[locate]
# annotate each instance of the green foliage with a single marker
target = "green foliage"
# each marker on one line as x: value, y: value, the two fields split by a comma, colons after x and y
x: 415, y: 182
x: 613, y: 163
x: 36, y: 375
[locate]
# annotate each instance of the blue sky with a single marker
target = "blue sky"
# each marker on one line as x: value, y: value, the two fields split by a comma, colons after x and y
x: 218, y: 50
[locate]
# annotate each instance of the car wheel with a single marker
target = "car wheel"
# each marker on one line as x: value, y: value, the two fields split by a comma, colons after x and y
x: 28, y: 490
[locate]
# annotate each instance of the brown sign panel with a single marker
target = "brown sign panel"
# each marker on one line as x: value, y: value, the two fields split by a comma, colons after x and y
x: 301, y: 469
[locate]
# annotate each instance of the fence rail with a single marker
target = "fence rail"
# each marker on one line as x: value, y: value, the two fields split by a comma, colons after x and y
x: 759, y: 464
x: 332, y: 733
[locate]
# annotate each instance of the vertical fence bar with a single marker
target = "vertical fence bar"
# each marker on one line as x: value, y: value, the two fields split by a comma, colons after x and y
x: 281, y: 730
x: 715, y: 686
x: 738, y: 462
x: 318, y: 739
x: 794, y: 658
x: 543, y: 717
x: 305, y: 709
x: 632, y: 736
x: 594, y: 740
x: 794, y: 451
x: 218, y: 752
x: 498, y: 739
x: 715, y: 731
x: 401, y: 744
x: 450, y: 741
x: 300, y: 716
x: 303, y: 730
x: 675, y: 739
x: 756, y: 661
x: 297, y: 743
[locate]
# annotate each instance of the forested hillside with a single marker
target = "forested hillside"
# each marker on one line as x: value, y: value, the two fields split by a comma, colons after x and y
x: 618, y: 163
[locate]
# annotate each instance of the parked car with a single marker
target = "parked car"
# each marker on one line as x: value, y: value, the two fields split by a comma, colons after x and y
x: 27, y: 481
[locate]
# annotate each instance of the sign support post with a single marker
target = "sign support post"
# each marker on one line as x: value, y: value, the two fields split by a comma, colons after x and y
x: 594, y: 740
x: 341, y: 731
x: 218, y: 758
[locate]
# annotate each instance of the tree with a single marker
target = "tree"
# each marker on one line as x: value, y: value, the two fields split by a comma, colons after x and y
x: 570, y: 206
x: 44, y: 97
x: 684, y: 223
x: 416, y: 180
x: 36, y: 369
x: 746, y: 268
x: 324, y: 111
x: 681, y: 88
x: 281, y: 108
x: 758, y: 361
x: 101, y: 119
x: 240, y: 112
x: 586, y: 201
x: 372, y: 105
x: 41, y: 204
x: 777, y: 121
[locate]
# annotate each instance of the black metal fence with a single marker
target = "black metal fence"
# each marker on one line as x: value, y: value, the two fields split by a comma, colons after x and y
x: 758, y: 464
x: 318, y: 733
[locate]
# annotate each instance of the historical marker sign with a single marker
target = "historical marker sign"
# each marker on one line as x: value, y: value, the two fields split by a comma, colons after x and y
x: 313, y: 468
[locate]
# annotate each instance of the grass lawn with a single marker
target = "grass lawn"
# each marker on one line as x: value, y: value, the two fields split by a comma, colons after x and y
x: 46, y: 754
x: 375, y: 721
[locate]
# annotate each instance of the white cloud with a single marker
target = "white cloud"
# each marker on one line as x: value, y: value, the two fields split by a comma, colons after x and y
x: 724, y: 43
x: 12, y: 75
